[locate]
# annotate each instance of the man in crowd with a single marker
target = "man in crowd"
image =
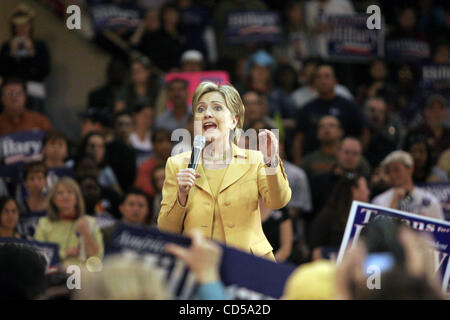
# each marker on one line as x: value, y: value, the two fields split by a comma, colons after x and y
x: 329, y: 134
x: 134, y: 210
x: 404, y: 195
x: 350, y: 116
x: 15, y: 117
x: 349, y: 160
x: 177, y: 93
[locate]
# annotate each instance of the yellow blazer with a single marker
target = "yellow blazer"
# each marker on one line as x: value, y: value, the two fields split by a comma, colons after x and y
x: 245, y: 180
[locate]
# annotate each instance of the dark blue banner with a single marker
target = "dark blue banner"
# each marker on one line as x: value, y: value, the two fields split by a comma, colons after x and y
x: 112, y: 16
x: 28, y: 223
x: 407, y: 50
x: 243, y: 27
x: 349, y: 38
x: 49, y: 250
x: 362, y: 213
x: 245, y: 276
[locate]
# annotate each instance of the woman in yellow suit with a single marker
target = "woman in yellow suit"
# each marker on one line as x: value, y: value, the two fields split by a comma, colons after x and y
x: 221, y: 198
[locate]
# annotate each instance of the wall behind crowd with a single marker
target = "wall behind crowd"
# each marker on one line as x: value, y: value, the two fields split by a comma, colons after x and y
x: 77, y: 65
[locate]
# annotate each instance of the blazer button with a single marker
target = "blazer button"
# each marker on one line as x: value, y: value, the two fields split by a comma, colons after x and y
x: 230, y: 225
x: 227, y: 203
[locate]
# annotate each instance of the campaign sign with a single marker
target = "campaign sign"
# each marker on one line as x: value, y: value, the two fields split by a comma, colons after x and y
x: 349, y: 38
x: 112, y: 16
x: 194, y: 78
x: 50, y: 251
x: 442, y: 192
x: 435, y: 78
x: 21, y: 147
x: 407, y: 50
x: 243, y: 27
x: 362, y: 213
x: 28, y: 223
x: 244, y: 276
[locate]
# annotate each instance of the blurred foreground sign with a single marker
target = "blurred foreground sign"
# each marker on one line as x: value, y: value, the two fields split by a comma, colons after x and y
x: 362, y: 213
x: 245, y: 276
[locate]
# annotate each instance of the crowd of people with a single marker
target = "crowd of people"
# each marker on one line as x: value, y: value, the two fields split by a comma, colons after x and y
x: 348, y: 132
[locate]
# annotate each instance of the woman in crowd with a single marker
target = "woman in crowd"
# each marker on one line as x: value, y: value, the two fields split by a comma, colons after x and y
x: 94, y: 144
x: 329, y: 226
x: 9, y: 218
x: 211, y: 199
x: 144, y: 85
x: 141, y: 136
x: 67, y: 224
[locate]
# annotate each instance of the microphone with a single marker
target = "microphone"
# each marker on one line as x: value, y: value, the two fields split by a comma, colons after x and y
x: 199, y: 143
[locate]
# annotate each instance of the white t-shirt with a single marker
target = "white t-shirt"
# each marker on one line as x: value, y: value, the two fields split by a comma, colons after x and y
x: 419, y: 202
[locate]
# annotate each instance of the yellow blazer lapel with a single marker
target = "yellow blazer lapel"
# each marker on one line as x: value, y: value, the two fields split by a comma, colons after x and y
x: 202, y: 182
x: 236, y: 169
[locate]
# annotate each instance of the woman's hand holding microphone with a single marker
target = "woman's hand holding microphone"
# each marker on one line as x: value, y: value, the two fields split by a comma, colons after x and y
x: 186, y: 180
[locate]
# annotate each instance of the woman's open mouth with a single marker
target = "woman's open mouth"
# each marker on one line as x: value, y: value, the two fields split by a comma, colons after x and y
x: 209, y: 126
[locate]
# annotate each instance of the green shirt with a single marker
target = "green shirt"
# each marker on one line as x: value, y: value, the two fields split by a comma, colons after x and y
x: 63, y: 233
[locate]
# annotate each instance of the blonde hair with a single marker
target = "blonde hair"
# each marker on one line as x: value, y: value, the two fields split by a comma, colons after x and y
x: 52, y: 210
x: 124, y: 276
x: 232, y: 99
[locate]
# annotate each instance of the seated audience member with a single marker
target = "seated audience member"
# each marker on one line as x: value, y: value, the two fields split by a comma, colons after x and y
x: 349, y: 159
x: 141, y: 137
x: 94, y: 120
x: 22, y: 271
x: 97, y: 206
x: 433, y: 125
x: 379, y: 182
x: 56, y: 156
x: 192, y: 61
x: 179, y: 114
x: 25, y: 56
x: 87, y: 167
x: 352, y: 120
x: 104, y: 97
x: 386, y: 130
x: 135, y: 210
x: 278, y: 228
x: 417, y: 146
x: 9, y: 219
x: 144, y: 85
x: 56, y: 150
x: 404, y: 195
x: 329, y: 134
x: 377, y: 81
x: 162, y: 147
x: 158, y: 177
x: 308, y: 92
x: 94, y: 144
x: 67, y: 224
x: 15, y: 117
x: 123, y: 166
x: 35, y: 183
x: 327, y: 229
x: 442, y: 168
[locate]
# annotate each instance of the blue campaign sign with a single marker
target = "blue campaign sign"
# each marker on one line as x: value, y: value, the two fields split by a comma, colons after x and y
x: 245, y: 276
x: 49, y: 250
x: 113, y: 16
x: 362, y: 213
x: 349, y: 38
x: 28, y: 223
x: 407, y: 50
x: 442, y: 192
x: 21, y: 147
x: 243, y: 27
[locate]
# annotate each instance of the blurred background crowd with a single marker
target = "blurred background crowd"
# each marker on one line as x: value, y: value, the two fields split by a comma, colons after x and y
x: 88, y: 128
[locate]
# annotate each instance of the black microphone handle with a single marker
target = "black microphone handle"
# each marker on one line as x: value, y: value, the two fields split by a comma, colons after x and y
x: 194, y: 158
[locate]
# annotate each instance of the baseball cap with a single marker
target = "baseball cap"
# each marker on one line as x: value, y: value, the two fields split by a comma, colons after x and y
x: 97, y: 115
x: 192, y: 55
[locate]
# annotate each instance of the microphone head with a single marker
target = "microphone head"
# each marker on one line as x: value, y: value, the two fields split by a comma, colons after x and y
x: 199, y: 141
